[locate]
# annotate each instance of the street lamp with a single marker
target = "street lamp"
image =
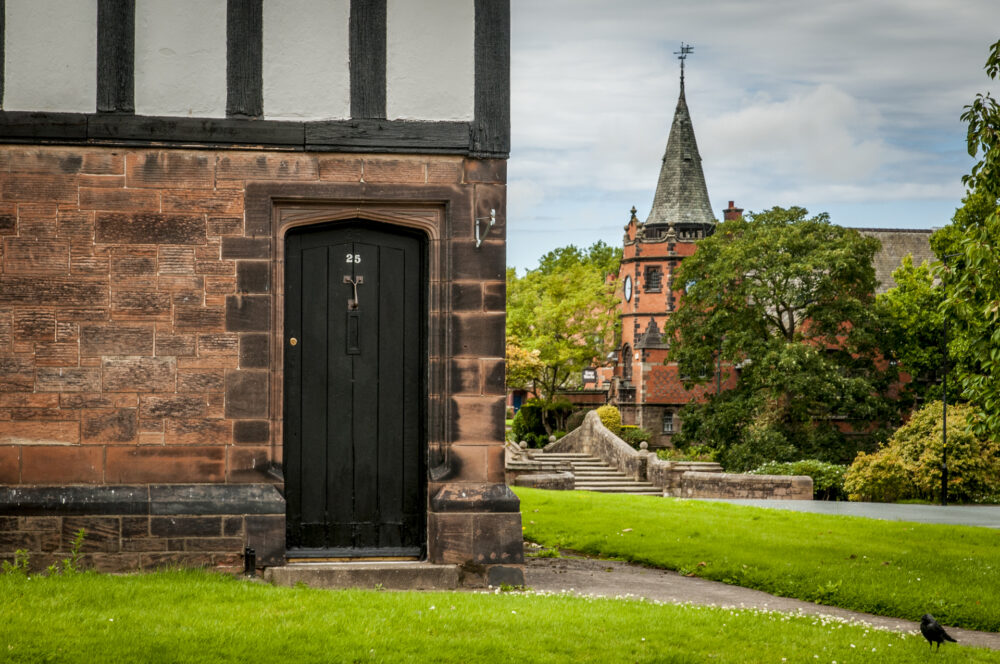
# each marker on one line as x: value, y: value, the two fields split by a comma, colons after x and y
x: 944, y: 397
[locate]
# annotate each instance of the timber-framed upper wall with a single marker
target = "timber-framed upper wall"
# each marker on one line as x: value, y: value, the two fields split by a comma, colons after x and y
x: 386, y: 76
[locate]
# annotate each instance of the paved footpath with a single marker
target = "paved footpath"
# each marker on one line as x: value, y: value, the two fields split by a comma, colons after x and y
x: 985, y: 516
x: 607, y: 578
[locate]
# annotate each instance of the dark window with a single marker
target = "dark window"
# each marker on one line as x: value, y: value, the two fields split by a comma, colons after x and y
x: 654, y: 278
x: 626, y: 362
x: 668, y: 421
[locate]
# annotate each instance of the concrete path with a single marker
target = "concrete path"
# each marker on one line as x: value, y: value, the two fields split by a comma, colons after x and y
x: 608, y: 578
x: 986, y: 516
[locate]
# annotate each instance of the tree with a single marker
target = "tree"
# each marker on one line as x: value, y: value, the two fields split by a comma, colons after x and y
x: 563, y: 314
x: 789, y: 301
x: 973, y: 276
x: 914, y: 329
x: 917, y: 313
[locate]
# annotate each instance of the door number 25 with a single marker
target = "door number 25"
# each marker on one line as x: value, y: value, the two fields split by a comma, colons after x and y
x: 353, y: 258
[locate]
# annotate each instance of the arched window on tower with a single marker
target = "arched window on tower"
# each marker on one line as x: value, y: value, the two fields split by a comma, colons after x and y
x: 653, y: 279
x: 626, y: 362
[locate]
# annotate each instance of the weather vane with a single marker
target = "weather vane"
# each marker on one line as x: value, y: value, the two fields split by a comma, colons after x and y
x: 682, y: 54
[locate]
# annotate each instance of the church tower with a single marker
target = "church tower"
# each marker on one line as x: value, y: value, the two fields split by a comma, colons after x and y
x: 646, y: 388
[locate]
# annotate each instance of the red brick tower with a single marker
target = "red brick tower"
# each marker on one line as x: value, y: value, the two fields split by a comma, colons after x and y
x: 646, y: 387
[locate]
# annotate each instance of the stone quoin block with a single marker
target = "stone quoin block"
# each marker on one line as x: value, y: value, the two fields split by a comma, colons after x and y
x: 253, y: 277
x: 450, y: 538
x: 248, y: 313
x: 465, y: 376
x: 485, y: 170
x: 466, y: 296
x: 254, y: 351
x: 246, y: 394
x: 251, y: 431
x: 485, y: 262
x: 479, y: 335
x: 246, y: 247
x: 495, y: 296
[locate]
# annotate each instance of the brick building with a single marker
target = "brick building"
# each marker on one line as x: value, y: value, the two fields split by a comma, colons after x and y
x: 250, y: 294
x: 646, y: 387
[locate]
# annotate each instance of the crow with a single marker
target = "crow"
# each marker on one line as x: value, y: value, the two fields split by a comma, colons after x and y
x: 932, y: 631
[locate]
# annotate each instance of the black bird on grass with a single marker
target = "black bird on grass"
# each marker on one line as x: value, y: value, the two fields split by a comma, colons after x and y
x: 933, y: 632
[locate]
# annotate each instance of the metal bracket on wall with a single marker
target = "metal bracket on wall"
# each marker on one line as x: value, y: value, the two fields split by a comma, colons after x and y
x: 493, y: 221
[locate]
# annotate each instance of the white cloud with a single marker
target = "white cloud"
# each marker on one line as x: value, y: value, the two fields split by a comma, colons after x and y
x: 815, y: 104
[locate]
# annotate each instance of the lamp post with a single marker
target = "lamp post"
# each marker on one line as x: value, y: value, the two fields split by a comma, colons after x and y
x: 944, y: 397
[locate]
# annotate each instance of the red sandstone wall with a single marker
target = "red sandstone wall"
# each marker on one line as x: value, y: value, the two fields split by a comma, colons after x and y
x: 135, y: 312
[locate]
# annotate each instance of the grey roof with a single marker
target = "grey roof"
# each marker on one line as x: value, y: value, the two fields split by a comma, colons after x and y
x: 681, y: 195
x: 896, y: 244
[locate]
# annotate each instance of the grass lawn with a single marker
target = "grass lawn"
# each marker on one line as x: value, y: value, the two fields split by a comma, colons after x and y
x: 883, y: 567
x: 203, y: 617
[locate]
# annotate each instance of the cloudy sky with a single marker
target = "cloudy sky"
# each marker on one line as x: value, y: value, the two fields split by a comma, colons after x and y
x: 843, y: 106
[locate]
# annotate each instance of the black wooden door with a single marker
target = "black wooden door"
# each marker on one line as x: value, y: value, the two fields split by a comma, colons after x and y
x: 354, y: 429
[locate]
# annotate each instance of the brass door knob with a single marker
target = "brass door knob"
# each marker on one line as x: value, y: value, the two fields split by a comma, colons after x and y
x: 293, y: 341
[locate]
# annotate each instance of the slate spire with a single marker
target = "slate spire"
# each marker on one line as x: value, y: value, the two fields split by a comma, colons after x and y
x: 681, y: 195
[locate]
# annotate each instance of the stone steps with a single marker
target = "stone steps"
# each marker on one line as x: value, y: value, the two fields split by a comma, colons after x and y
x: 390, y: 575
x: 593, y: 474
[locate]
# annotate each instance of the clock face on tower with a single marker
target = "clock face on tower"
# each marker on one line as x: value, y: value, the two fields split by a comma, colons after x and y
x: 628, y: 289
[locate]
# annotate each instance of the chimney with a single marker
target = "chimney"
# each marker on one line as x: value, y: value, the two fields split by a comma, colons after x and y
x: 731, y: 213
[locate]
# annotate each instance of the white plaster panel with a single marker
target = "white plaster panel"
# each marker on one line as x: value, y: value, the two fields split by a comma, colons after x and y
x: 307, y: 74
x: 430, y: 59
x: 180, y: 57
x: 50, y: 56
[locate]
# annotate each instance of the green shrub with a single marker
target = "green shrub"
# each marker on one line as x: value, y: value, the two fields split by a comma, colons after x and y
x: 634, y: 435
x: 528, y: 426
x: 909, y: 465
x: 691, y: 453
x: 576, y: 419
x: 828, y: 478
x: 611, y: 418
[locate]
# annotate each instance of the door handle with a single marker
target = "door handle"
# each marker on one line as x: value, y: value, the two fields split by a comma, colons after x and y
x: 357, y: 281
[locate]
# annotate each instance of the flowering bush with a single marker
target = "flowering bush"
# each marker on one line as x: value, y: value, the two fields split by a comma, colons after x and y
x: 610, y: 418
x: 909, y: 466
